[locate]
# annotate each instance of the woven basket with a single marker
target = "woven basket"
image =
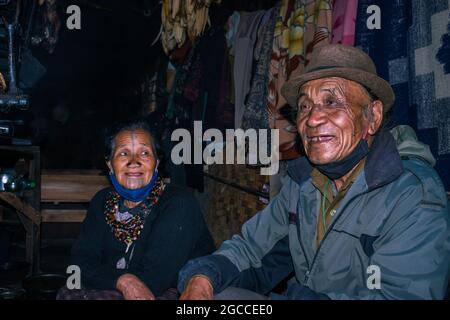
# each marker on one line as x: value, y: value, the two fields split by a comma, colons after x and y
x: 226, y: 207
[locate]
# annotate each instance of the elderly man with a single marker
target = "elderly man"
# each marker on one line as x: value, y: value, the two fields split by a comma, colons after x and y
x: 362, y: 216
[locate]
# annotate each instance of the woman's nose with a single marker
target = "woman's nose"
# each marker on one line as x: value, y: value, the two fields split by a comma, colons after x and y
x: 134, y: 161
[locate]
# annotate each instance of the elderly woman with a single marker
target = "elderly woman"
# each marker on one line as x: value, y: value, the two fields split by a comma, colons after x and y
x: 138, y: 234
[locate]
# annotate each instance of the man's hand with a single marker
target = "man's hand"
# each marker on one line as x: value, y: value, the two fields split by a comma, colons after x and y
x: 133, y: 289
x: 198, y: 288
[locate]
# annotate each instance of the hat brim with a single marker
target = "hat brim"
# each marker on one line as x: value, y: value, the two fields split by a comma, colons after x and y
x: 377, y: 86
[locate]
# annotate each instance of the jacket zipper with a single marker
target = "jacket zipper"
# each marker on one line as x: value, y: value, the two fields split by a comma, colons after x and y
x: 301, y: 243
x: 297, y: 223
x: 325, y: 236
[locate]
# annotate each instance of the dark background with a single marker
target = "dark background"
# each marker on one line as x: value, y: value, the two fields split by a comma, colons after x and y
x: 94, y: 75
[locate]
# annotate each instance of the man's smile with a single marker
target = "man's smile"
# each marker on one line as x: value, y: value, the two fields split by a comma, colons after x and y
x: 320, y: 138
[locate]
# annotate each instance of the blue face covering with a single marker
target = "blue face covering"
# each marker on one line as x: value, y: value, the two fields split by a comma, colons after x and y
x: 135, y: 195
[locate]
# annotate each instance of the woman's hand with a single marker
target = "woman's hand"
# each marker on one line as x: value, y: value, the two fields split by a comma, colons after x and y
x: 133, y: 289
x: 198, y: 288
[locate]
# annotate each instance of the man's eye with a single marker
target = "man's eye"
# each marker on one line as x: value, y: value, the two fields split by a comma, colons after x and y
x: 330, y: 102
x: 303, y: 107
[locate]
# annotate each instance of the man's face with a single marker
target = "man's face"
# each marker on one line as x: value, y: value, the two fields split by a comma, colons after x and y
x: 330, y: 118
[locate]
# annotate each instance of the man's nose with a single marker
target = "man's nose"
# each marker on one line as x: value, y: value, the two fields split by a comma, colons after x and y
x: 316, y: 117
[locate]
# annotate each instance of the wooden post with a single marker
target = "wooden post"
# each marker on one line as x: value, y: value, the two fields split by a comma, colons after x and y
x: 28, y: 206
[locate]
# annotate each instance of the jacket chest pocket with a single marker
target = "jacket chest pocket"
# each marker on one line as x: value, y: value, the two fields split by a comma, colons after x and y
x: 362, y: 237
x: 361, y: 224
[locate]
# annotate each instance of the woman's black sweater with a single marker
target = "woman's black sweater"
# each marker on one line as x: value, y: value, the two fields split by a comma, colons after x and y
x: 174, y: 232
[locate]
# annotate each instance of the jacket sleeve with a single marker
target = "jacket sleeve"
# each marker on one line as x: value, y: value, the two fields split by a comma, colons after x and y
x: 87, y: 250
x: 258, y: 259
x: 412, y: 253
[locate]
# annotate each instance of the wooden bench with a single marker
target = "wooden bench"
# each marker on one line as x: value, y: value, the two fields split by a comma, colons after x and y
x: 65, y: 195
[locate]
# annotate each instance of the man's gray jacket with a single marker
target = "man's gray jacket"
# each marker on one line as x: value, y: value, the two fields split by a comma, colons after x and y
x: 389, y: 239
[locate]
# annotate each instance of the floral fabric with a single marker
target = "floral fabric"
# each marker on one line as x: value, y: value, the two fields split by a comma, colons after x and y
x: 301, y: 26
x: 344, y: 21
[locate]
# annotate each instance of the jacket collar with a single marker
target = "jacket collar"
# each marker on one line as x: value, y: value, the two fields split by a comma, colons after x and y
x: 383, y: 164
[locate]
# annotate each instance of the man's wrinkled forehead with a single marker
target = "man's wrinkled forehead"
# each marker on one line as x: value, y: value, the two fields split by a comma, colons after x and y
x: 323, y: 85
x: 338, y: 87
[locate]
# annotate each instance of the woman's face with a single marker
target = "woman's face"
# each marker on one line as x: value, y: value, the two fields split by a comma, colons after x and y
x: 133, y: 160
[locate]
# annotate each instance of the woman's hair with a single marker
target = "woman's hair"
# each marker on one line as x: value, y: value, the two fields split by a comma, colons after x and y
x: 129, y: 125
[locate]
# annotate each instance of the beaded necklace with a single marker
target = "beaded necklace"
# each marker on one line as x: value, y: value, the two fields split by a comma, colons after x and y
x: 129, y: 230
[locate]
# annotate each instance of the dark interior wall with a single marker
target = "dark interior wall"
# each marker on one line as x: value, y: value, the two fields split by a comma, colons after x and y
x: 94, y: 75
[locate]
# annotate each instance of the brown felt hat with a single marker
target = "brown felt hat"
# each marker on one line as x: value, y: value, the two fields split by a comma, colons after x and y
x: 336, y: 60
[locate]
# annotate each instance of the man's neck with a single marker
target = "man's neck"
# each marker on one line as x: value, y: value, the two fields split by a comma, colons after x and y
x: 339, y: 183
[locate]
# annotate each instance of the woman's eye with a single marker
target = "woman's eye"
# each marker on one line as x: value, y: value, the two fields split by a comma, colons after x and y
x: 122, y: 154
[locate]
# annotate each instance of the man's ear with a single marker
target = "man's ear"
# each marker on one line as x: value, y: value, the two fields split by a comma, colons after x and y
x: 375, y: 117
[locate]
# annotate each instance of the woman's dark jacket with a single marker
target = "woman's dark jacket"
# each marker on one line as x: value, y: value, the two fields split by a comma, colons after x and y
x: 174, y: 232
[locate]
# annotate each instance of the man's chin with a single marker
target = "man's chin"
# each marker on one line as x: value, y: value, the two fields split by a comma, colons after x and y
x: 317, y: 161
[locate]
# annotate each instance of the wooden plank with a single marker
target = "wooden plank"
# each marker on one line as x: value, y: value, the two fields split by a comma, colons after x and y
x: 71, y: 172
x: 21, y: 206
x: 63, y: 215
x: 71, y: 186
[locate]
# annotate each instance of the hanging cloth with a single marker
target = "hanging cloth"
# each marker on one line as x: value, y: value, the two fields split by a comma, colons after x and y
x: 300, y: 27
x: 255, y: 112
x: 344, y: 21
x: 243, y: 60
